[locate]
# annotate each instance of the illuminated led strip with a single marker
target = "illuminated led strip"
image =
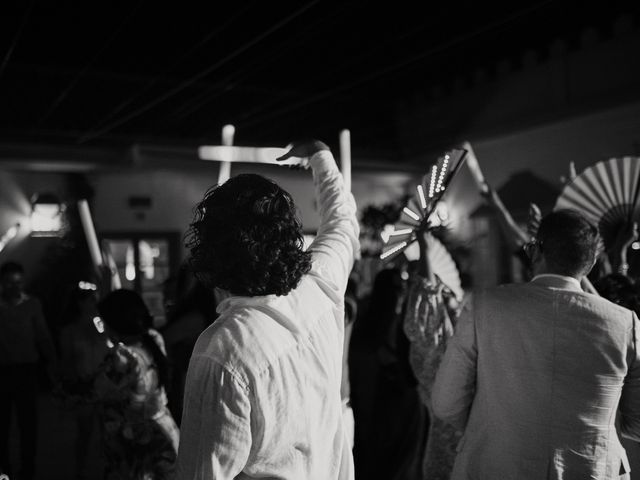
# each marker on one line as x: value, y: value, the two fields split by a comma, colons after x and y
x: 432, y: 183
x: 423, y: 201
x: 445, y: 164
x: 404, y: 231
x: 393, y: 250
x: 411, y: 213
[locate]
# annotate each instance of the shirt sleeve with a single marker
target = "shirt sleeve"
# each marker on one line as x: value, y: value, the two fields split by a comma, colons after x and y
x: 336, y: 245
x: 215, y: 437
x: 630, y: 400
x: 454, y: 386
x: 43, y: 337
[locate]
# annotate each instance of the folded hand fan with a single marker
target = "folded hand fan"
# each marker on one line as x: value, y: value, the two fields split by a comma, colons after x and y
x: 606, y: 194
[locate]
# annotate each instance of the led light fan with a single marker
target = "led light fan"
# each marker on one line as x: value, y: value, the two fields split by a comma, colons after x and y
x: 607, y: 194
x: 423, y: 203
x: 441, y: 263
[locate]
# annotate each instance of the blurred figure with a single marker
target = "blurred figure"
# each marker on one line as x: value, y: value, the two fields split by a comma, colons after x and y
x: 429, y: 322
x: 24, y: 341
x: 190, y: 309
x: 82, y: 351
x: 140, y: 438
x: 390, y: 421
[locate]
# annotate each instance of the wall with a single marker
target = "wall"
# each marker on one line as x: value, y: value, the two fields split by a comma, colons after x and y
x: 174, y: 193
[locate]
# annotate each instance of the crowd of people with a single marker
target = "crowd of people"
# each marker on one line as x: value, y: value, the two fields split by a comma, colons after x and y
x: 273, y: 366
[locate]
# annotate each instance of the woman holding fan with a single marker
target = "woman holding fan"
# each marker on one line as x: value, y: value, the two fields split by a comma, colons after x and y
x: 429, y: 322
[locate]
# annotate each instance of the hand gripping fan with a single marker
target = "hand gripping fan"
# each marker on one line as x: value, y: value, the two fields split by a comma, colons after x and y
x: 420, y: 207
x: 441, y: 262
x: 606, y: 194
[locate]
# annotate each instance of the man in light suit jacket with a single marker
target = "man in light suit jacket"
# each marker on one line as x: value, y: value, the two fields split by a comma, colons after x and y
x: 537, y: 373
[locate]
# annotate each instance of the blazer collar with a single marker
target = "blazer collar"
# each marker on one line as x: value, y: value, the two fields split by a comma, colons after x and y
x: 557, y: 281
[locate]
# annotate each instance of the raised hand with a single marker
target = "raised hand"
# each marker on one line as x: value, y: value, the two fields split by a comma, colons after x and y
x: 304, y: 150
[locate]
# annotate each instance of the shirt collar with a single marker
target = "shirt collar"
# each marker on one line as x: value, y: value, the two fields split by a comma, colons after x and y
x: 557, y: 281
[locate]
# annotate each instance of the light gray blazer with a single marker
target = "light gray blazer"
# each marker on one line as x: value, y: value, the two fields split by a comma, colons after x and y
x: 535, y: 375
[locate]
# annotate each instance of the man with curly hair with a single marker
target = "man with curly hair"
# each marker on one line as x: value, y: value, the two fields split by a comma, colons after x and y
x: 262, y: 397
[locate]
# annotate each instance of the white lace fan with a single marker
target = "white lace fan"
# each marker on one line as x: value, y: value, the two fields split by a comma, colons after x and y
x: 607, y: 194
x: 441, y: 263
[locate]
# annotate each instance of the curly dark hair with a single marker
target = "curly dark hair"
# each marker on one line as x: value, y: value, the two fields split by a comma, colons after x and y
x: 247, y: 238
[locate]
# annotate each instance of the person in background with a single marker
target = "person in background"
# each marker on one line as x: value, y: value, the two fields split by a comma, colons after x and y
x: 190, y: 309
x: 430, y: 318
x: 140, y: 437
x: 536, y: 372
x: 24, y: 341
x: 262, y: 398
x: 82, y: 351
x: 400, y: 420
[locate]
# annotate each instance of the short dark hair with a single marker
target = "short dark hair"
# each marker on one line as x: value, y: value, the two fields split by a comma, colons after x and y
x: 8, y: 268
x: 568, y: 242
x: 125, y: 312
x: 247, y: 238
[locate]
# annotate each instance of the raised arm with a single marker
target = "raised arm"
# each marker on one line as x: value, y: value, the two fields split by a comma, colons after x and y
x: 516, y: 236
x: 336, y: 245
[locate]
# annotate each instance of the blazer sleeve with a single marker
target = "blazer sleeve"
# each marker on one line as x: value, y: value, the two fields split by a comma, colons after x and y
x: 455, y: 383
x: 630, y: 400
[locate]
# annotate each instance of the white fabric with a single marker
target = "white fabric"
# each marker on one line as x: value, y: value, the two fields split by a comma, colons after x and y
x: 262, y: 397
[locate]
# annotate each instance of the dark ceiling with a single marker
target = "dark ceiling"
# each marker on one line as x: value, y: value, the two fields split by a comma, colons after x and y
x: 116, y: 73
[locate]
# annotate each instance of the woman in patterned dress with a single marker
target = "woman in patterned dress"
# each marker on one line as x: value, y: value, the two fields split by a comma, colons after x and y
x: 431, y: 311
x: 140, y: 437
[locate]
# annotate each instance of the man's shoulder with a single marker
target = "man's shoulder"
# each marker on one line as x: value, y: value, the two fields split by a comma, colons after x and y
x: 244, y: 341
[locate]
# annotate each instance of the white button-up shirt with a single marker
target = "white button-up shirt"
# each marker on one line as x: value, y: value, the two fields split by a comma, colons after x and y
x: 262, y: 397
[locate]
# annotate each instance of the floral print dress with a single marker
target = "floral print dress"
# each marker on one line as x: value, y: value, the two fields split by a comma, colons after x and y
x: 139, y: 435
x: 428, y: 326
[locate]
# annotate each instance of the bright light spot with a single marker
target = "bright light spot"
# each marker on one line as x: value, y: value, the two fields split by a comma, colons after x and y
x: 9, y: 235
x: 393, y: 250
x: 404, y: 275
x: 386, y: 232
x: 87, y: 286
x: 130, y: 267
x: 46, y: 219
x: 97, y: 322
x: 635, y: 245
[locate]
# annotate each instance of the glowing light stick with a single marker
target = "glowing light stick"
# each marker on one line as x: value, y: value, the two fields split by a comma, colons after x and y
x: 218, y: 153
x: 99, y: 324
x: 411, y: 213
x: 345, y: 157
x: 423, y: 200
x: 9, y: 235
x: 474, y: 168
x: 90, y: 232
x: 393, y: 250
x: 404, y: 231
x: 228, y: 131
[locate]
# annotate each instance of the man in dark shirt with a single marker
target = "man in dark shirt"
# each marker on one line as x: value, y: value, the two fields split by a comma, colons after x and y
x: 24, y: 340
